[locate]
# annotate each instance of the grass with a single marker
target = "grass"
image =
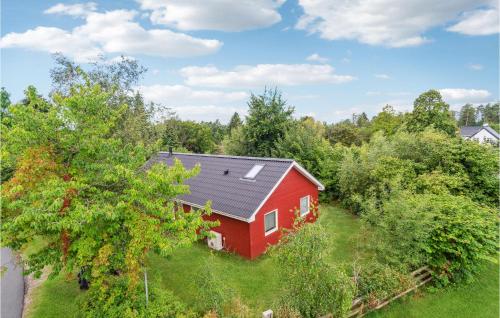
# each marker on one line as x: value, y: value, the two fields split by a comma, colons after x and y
x: 478, y: 299
x: 256, y: 281
x: 258, y: 284
x: 56, y: 297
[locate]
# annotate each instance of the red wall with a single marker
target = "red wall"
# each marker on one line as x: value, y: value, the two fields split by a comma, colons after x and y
x: 235, y: 233
x: 249, y: 239
x: 286, y: 198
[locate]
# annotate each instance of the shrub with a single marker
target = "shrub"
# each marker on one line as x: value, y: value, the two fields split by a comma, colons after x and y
x: 451, y: 234
x: 215, y: 294
x: 377, y: 281
x: 162, y: 303
x: 312, y: 286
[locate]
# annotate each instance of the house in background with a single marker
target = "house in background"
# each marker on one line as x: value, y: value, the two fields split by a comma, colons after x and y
x: 252, y: 198
x: 482, y: 134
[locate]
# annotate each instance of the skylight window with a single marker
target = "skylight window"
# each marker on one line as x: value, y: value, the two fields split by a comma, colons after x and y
x: 253, y: 172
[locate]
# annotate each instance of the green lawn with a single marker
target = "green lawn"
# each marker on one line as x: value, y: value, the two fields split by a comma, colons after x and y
x: 257, y: 281
x: 479, y: 299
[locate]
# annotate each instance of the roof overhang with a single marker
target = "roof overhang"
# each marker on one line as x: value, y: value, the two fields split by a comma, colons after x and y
x: 214, y: 211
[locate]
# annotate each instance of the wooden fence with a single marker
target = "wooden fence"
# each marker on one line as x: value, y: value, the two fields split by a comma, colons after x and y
x: 360, y: 307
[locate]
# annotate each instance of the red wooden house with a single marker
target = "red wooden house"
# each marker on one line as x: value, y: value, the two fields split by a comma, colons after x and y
x: 253, y: 198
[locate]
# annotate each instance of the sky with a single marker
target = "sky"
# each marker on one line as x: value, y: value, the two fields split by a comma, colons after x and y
x: 330, y: 58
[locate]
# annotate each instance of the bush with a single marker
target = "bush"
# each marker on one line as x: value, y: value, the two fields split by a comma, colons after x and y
x: 451, y: 234
x: 214, y: 293
x: 312, y: 286
x: 120, y: 302
x: 424, y: 162
x: 377, y: 281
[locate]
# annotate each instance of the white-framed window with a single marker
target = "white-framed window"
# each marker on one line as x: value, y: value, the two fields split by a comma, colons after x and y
x: 304, y: 205
x: 270, y: 222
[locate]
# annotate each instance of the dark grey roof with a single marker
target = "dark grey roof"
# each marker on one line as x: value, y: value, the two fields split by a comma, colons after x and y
x: 469, y: 131
x: 228, y: 193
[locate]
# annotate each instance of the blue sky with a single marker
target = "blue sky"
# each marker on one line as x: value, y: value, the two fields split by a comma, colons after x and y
x: 330, y: 58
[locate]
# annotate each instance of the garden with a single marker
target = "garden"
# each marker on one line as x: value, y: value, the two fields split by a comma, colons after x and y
x: 258, y: 284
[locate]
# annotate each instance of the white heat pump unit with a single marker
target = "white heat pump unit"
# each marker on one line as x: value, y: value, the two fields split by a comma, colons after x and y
x: 267, y: 314
x: 215, y: 241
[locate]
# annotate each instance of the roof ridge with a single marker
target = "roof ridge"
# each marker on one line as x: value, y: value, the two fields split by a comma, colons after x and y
x: 230, y: 157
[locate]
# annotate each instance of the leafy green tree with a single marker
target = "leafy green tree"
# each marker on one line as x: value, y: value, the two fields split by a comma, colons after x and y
x: 193, y: 136
x: 360, y: 120
x: 305, y: 143
x: 490, y: 114
x: 119, y: 79
x: 235, y: 143
x: 268, y: 119
x: 217, y: 129
x: 4, y: 101
x: 387, y: 121
x: 429, y: 110
x: 418, y: 162
x: 345, y: 133
x: 467, y: 115
x: 312, y: 286
x: 76, y: 186
x: 234, y: 123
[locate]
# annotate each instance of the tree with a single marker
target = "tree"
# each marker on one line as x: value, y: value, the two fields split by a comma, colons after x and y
x: 345, y: 133
x: 119, y: 79
x: 490, y: 114
x: 235, y: 143
x: 268, y: 119
x: 190, y: 135
x: 305, y: 143
x: 360, y: 120
x: 387, y: 121
x: 429, y: 110
x: 217, y: 130
x: 4, y: 101
x: 467, y: 116
x: 234, y: 123
x: 79, y: 188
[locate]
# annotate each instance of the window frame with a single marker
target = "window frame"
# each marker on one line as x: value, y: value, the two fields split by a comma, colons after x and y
x: 256, y: 169
x: 308, y: 205
x: 267, y: 232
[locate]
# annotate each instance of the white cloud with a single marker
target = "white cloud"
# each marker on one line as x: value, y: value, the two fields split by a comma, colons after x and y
x: 475, y: 67
x: 77, y: 9
x: 464, y: 95
x: 192, y: 104
x: 478, y: 22
x: 317, y: 58
x: 110, y: 32
x: 221, y: 15
x: 52, y: 40
x: 381, y: 22
x: 262, y: 74
x: 176, y: 95
x: 382, y: 76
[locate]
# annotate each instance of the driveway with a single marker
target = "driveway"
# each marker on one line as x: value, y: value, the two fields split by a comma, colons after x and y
x: 11, y: 286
